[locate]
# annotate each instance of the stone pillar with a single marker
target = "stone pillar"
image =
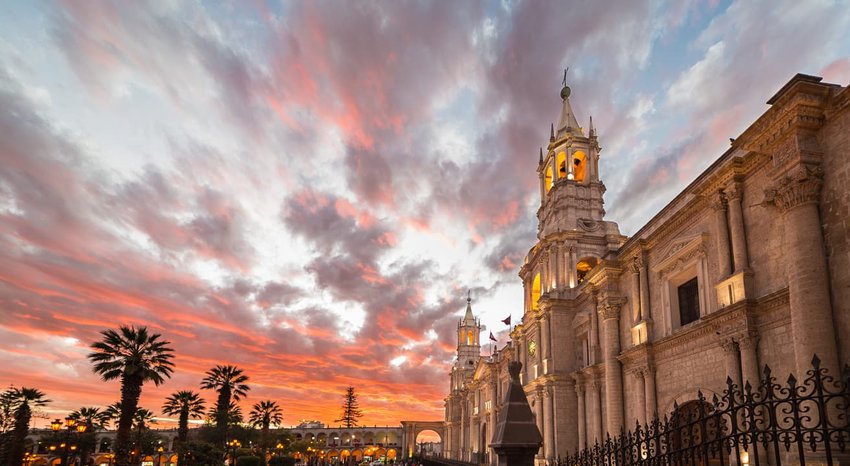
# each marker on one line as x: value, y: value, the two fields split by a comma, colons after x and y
x: 548, y: 426
x: 734, y: 193
x: 644, y: 291
x: 573, y: 264
x: 732, y: 361
x: 462, y: 444
x: 609, y: 310
x: 748, y: 345
x: 582, y: 420
x: 719, y: 204
x: 538, y: 417
x: 649, y: 392
x: 545, y: 344
x: 812, y: 328
x: 553, y: 266
x: 635, y: 297
x: 595, y: 410
x: 565, y: 417
x: 542, y: 187
x: 594, y: 333
x: 641, y: 397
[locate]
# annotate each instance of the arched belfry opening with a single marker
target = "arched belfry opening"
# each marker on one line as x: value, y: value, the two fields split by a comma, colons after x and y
x: 470, y: 338
x: 548, y: 180
x: 535, y: 291
x: 579, y: 166
x: 584, y: 266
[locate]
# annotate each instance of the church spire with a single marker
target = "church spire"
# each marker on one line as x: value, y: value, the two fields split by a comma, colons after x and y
x: 567, y: 123
x: 468, y: 318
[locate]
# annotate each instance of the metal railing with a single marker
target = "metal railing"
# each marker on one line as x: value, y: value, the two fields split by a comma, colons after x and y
x: 791, y: 423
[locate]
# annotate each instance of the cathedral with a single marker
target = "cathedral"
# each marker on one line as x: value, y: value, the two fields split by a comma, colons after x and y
x: 749, y: 265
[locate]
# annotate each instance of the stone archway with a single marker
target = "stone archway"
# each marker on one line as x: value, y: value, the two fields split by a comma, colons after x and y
x: 411, y: 429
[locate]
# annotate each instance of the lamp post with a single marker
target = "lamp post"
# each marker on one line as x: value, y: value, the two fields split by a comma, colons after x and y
x: 159, y: 451
x: 71, y: 426
x: 278, y: 449
x: 234, y: 445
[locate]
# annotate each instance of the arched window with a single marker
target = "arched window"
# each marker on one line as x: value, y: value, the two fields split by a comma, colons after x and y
x: 535, y: 291
x: 583, y: 267
x: 579, y: 165
x: 547, y: 180
x: 470, y: 339
x: 561, y: 163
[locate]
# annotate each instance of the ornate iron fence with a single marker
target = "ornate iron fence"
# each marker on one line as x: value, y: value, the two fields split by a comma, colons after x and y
x: 801, y: 423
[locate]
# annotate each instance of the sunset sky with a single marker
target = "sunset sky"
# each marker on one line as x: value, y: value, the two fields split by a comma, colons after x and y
x: 308, y: 189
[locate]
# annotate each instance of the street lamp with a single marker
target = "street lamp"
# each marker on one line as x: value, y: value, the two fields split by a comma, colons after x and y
x: 159, y: 451
x: 71, y: 426
x: 278, y: 449
x: 234, y: 445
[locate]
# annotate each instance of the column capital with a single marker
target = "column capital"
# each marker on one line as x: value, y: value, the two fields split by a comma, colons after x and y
x: 609, y: 307
x: 734, y: 191
x: 799, y: 186
x: 748, y: 340
x: 637, y: 263
x: 728, y: 344
x: 718, y: 201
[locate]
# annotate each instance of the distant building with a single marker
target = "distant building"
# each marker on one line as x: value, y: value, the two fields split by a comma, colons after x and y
x: 749, y: 265
x: 305, y: 424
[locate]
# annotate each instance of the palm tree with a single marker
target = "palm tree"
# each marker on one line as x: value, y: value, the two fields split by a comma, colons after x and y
x: 184, y: 404
x: 264, y: 414
x: 234, y: 414
x: 23, y: 400
x: 229, y: 382
x: 94, y: 419
x: 134, y: 356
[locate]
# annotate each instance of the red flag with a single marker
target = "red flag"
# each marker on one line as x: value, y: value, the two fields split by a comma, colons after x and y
x: 492, y: 337
x: 507, y: 321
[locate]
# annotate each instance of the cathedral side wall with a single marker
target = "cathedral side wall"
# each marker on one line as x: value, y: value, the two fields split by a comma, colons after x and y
x: 834, y: 140
x: 765, y: 235
x: 774, y: 348
x: 691, y: 365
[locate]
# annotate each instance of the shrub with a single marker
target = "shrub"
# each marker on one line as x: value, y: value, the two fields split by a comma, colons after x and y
x: 248, y: 461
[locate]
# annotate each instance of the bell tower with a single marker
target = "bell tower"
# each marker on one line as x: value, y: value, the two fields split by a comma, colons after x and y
x: 572, y: 233
x: 570, y: 188
x: 468, y: 346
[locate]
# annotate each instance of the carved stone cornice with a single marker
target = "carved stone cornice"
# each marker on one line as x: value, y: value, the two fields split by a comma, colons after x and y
x: 800, y: 186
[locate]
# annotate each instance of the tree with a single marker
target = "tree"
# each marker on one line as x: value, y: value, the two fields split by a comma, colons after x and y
x: 350, y: 409
x: 229, y: 382
x: 94, y: 418
x: 264, y: 414
x: 183, y: 404
x: 134, y: 356
x: 23, y: 400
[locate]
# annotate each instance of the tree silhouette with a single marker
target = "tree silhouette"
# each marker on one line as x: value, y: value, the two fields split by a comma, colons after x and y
x: 350, y: 409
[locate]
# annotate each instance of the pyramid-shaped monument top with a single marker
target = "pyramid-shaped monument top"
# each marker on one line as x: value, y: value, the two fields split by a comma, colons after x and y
x: 567, y: 123
x: 468, y: 318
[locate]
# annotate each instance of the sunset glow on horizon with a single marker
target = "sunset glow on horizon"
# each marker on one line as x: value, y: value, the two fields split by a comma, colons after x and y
x: 308, y: 190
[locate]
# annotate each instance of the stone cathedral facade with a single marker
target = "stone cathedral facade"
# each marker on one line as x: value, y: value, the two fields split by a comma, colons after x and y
x: 749, y: 265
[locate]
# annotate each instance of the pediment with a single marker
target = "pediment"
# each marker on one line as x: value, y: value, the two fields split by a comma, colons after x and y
x: 680, y: 248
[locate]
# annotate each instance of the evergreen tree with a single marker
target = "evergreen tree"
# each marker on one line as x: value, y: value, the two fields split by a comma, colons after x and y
x: 350, y: 409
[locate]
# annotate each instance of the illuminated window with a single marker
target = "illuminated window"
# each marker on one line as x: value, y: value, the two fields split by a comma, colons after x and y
x: 469, y: 338
x: 579, y: 165
x: 535, y: 291
x: 561, y: 163
x: 547, y: 181
x: 583, y: 267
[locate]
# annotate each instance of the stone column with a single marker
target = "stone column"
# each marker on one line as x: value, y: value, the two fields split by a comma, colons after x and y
x: 734, y: 193
x: 542, y: 187
x: 797, y: 196
x: 649, y: 392
x: 573, y: 264
x: 635, y: 297
x: 565, y: 419
x: 548, y: 424
x: 538, y: 417
x: 719, y: 204
x: 545, y: 343
x: 732, y: 361
x: 644, y: 290
x: 641, y: 396
x: 462, y: 443
x: 748, y: 345
x: 609, y: 310
x: 594, y: 333
x: 581, y: 421
x: 553, y: 266
x: 595, y: 410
